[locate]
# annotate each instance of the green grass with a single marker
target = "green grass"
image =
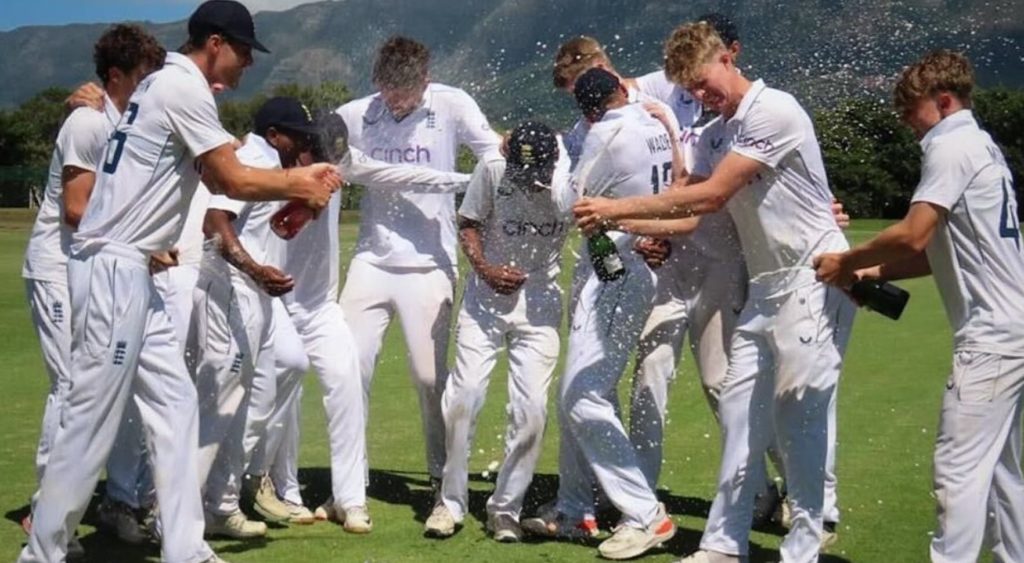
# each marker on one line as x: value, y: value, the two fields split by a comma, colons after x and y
x: 888, y: 409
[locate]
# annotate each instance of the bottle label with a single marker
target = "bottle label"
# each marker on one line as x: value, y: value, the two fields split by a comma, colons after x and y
x: 612, y: 264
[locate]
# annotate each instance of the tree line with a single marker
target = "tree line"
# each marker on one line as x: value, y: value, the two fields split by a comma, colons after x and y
x: 873, y: 161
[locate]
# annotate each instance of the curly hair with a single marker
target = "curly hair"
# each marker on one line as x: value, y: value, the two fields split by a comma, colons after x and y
x: 575, y: 56
x: 689, y: 47
x: 939, y: 71
x: 126, y: 47
x: 401, y: 62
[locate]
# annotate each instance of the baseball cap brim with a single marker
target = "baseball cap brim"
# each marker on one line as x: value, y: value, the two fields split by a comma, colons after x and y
x: 250, y: 41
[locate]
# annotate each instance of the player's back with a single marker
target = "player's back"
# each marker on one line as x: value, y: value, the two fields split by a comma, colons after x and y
x: 976, y: 252
x: 149, y: 173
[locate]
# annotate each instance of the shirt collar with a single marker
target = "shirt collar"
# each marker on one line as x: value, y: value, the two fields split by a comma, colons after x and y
x: 259, y: 145
x: 186, y: 64
x: 748, y: 99
x: 110, y: 110
x: 952, y: 122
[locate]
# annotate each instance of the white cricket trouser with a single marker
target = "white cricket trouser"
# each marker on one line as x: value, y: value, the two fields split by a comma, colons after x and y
x: 530, y: 331
x: 696, y: 298
x: 232, y: 348
x: 332, y: 352
x: 787, y: 352
x: 422, y: 298
x: 51, y: 315
x: 129, y: 477
x: 606, y: 322
x: 979, y: 486
x: 280, y: 440
x: 123, y: 348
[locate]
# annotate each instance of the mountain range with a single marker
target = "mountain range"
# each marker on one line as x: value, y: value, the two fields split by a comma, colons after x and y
x: 501, y: 50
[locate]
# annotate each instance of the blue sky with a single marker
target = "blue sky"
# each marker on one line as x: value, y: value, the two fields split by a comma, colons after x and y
x: 17, y: 13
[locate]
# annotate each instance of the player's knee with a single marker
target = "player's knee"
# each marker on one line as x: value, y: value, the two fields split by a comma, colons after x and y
x: 529, y: 418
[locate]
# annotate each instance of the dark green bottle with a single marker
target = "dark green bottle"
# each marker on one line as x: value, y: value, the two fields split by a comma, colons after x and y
x: 605, y: 257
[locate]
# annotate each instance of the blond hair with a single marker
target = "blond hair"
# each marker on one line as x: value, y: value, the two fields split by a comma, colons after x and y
x: 575, y: 56
x: 690, y: 46
x: 938, y: 71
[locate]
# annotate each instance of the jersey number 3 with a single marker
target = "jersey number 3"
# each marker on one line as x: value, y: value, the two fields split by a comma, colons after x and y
x: 1009, y: 225
x: 116, y: 144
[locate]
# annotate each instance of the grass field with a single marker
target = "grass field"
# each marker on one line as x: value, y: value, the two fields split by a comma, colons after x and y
x: 888, y: 409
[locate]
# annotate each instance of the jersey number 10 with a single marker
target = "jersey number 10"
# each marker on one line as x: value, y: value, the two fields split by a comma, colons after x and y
x: 117, y: 140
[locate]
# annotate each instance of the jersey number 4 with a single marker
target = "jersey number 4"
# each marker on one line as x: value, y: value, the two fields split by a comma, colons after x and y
x: 116, y: 144
x: 1009, y: 225
x: 660, y: 177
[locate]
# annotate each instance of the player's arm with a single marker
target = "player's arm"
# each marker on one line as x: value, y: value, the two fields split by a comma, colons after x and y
x: 664, y: 227
x: 226, y: 175
x: 77, y: 186
x: 360, y: 168
x: 473, y: 129
x: 501, y: 278
x: 897, y: 249
x: 668, y: 121
x: 218, y: 228
x: 709, y: 196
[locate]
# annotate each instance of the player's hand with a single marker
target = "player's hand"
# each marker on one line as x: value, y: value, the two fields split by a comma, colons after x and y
x: 504, y: 280
x: 315, y: 184
x: 842, y: 218
x: 89, y: 94
x: 273, y: 281
x: 594, y: 214
x: 653, y: 250
x: 657, y: 111
x: 162, y: 261
x: 830, y: 268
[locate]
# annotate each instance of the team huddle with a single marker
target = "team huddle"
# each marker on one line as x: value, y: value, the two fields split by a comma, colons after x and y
x: 182, y: 282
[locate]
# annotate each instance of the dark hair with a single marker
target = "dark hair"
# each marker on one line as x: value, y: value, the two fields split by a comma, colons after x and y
x: 401, y: 63
x: 126, y: 47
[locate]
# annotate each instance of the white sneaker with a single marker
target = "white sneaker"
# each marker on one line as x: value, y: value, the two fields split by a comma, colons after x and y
x: 264, y: 499
x: 441, y: 522
x: 829, y: 536
x: 551, y: 523
x: 234, y: 525
x: 325, y: 512
x: 504, y: 528
x: 299, y: 514
x: 121, y: 520
x: 628, y: 542
x: 356, y: 520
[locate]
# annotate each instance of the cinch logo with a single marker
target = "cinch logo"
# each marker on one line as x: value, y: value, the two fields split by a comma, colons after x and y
x: 519, y: 228
x: 120, y: 350
x: 411, y: 155
x: 236, y: 366
x: 58, y: 312
x: 759, y: 144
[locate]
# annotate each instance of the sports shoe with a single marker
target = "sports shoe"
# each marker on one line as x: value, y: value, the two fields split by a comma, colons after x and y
x: 441, y: 522
x: 829, y: 536
x: 766, y: 504
x: 326, y: 512
x: 628, y: 542
x: 121, y: 520
x: 356, y: 520
x: 551, y: 523
x: 709, y: 557
x: 504, y: 528
x: 299, y: 514
x: 234, y: 525
x: 261, y: 490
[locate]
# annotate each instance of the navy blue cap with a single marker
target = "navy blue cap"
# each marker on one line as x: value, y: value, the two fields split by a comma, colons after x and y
x: 228, y: 18
x: 532, y: 152
x: 592, y: 90
x: 284, y: 113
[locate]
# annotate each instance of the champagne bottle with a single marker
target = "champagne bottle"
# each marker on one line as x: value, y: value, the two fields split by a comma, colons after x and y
x: 291, y: 219
x: 881, y: 297
x: 605, y: 257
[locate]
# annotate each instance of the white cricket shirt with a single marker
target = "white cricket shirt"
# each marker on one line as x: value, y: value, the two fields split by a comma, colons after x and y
x: 401, y: 229
x: 784, y: 216
x: 79, y: 144
x: 149, y: 171
x: 975, y: 254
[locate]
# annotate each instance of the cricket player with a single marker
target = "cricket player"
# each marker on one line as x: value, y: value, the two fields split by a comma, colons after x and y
x: 788, y: 345
x: 232, y: 333
x: 311, y: 259
x: 962, y: 228
x: 512, y: 231
x: 123, y: 55
x: 405, y: 260
x: 623, y: 145
x: 118, y: 352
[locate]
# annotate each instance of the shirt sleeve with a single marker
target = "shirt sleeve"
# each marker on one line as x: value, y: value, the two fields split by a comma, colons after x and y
x: 701, y: 153
x: 83, y: 139
x: 479, y: 200
x: 473, y: 129
x: 193, y: 118
x: 225, y: 203
x: 359, y: 168
x: 594, y: 174
x: 945, y: 175
x: 768, y: 134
